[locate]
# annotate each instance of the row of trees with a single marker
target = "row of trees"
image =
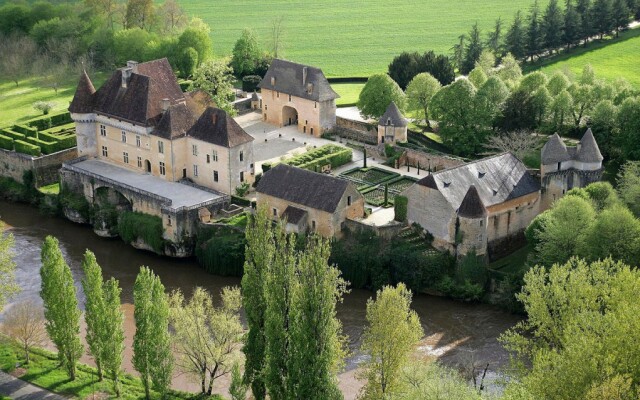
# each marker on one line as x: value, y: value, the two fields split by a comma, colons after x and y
x: 541, y: 32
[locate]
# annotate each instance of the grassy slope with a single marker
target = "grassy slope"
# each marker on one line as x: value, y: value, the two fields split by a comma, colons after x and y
x: 16, y: 101
x: 610, y: 59
x: 348, y: 92
x: 353, y: 37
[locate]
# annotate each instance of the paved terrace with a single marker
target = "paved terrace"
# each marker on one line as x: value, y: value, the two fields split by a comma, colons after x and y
x: 179, y: 194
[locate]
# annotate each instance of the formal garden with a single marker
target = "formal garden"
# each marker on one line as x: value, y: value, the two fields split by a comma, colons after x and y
x: 44, y: 135
x: 318, y: 158
x: 378, y: 186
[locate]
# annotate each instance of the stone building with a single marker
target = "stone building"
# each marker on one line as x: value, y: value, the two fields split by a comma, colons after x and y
x: 483, y: 205
x: 309, y: 201
x: 296, y: 94
x: 392, y: 126
x: 563, y: 168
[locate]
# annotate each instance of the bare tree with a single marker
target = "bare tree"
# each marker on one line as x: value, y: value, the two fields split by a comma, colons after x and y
x: 277, y: 35
x: 173, y: 16
x: 520, y: 143
x: 16, y: 54
x: 24, y: 322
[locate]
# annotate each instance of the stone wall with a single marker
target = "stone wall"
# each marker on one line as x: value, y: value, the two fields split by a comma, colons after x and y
x: 435, y: 162
x: 387, y: 232
x: 45, y: 168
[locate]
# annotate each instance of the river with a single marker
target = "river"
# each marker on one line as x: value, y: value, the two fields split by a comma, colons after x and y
x: 455, y: 332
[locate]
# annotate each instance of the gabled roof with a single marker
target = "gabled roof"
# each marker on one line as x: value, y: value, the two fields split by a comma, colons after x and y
x: 175, y: 122
x: 216, y: 127
x: 288, y: 78
x: 471, y: 206
x: 428, y: 181
x: 82, y: 102
x: 294, y: 215
x: 300, y: 186
x: 392, y: 116
x: 554, y: 151
x: 588, y: 150
x: 141, y: 100
x: 496, y: 179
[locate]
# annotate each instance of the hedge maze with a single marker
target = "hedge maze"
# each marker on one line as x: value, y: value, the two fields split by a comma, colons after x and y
x: 45, y: 135
x: 373, y: 182
x: 314, y: 160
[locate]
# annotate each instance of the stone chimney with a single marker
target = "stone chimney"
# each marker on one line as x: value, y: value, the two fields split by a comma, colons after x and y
x: 304, y: 75
x: 165, y: 104
x: 133, y: 65
x: 126, y: 73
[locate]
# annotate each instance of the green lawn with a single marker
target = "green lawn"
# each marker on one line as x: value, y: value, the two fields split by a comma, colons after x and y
x: 54, y: 188
x: 349, y: 92
x: 16, y: 101
x: 610, y: 59
x: 353, y: 38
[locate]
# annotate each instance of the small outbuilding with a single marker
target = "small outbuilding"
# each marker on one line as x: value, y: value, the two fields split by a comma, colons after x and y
x: 392, y: 126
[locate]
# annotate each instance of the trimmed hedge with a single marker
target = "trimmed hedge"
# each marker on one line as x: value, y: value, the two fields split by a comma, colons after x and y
x: 14, y: 135
x: 45, y: 147
x: 328, y: 154
x: 6, y: 142
x: 25, y: 130
x: 26, y: 148
x: 51, y: 120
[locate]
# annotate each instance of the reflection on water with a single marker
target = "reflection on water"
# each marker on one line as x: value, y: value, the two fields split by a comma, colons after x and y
x: 456, y: 332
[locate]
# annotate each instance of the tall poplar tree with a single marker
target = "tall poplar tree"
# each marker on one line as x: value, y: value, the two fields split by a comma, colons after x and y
x: 552, y: 26
x: 317, y: 347
x: 494, y: 40
x: 94, y: 308
x: 571, y: 31
x: 534, y: 32
x: 8, y: 285
x: 472, y: 50
x: 515, y: 41
x: 152, y: 356
x: 112, y: 333
x: 60, y: 305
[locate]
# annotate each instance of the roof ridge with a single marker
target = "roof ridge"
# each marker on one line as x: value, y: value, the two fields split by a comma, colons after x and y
x: 473, y: 162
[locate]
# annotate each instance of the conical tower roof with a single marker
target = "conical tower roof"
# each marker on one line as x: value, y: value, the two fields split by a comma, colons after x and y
x: 392, y: 116
x: 471, y: 206
x: 589, y: 151
x: 554, y: 151
x: 428, y: 181
x: 82, y: 102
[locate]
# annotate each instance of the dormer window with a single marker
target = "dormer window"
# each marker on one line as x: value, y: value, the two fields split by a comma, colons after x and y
x: 388, y: 121
x: 309, y: 88
x: 481, y: 174
x: 447, y: 184
x: 273, y: 81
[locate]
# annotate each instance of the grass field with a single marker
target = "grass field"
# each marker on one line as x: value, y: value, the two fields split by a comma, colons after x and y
x: 348, y: 92
x: 610, y: 59
x: 352, y: 37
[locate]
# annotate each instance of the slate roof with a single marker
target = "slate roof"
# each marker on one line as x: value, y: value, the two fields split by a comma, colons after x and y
x: 428, y: 181
x: 82, y: 102
x: 294, y: 215
x: 175, y: 122
x: 300, y: 186
x: 141, y: 100
x: 216, y: 127
x: 393, y: 116
x: 554, y: 151
x: 289, y: 80
x: 471, y: 206
x: 497, y: 179
x: 589, y: 151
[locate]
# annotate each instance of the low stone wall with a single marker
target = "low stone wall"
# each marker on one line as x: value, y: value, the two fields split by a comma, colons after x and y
x: 434, y: 162
x: 502, y: 247
x: 357, y: 130
x: 387, y: 232
x: 45, y: 168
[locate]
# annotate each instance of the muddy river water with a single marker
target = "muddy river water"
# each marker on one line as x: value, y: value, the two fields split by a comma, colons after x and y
x: 455, y: 332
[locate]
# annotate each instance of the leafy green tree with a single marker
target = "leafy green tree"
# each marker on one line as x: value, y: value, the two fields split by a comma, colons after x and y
x: 510, y: 71
x: 317, y: 345
x: 491, y: 97
x: 187, y: 62
x: 602, y: 16
x: 622, y: 232
x: 216, y: 78
x: 139, y: 14
x: 515, y: 41
x: 494, y: 38
x: 197, y: 37
x: 583, y: 8
x: 572, y: 20
x: 552, y: 26
x: 458, y: 51
x: 534, y: 32
x: 113, y: 333
x: 583, y: 101
x: 603, y: 125
x: 94, y: 308
x: 8, y: 286
x: 246, y: 54
x: 430, y: 380
x: 420, y: 91
x: 259, y: 255
x: 392, y: 331
x: 152, y: 356
x: 561, y: 108
x: 376, y: 95
x: 60, y: 305
x: 629, y: 186
x: 628, y: 122
x: 472, y: 50
x: 477, y: 77
x: 621, y: 16
x: 533, y: 81
x: 403, y: 68
x: 557, y: 83
x: 207, y: 338
x: 237, y: 388
x: 438, y: 65
x: 129, y: 44
x: 519, y: 111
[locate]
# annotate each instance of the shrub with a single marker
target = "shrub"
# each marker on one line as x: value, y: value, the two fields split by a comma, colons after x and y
x: 75, y: 201
x: 250, y: 82
x: 26, y: 148
x: 12, y: 190
x: 134, y: 225
x: 220, y: 250
x: 242, y: 189
x: 25, y: 130
x: 6, y: 142
x: 44, y: 106
x: 400, y: 208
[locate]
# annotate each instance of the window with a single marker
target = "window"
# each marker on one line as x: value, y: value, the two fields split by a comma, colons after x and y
x: 125, y: 157
x: 241, y: 176
x: 275, y: 212
x: 195, y: 170
x: 139, y: 162
x: 168, y: 220
x: 103, y: 130
x: 215, y: 176
x: 138, y: 140
x: 312, y: 131
x: 241, y: 155
x: 315, y: 105
x: 124, y: 137
x: 348, y: 200
x: 313, y: 225
x: 208, y: 158
x: 289, y: 97
x: 559, y: 166
x: 105, y: 151
x: 265, y: 108
x: 273, y: 81
x: 194, y: 149
x: 215, y: 155
x: 163, y: 171
x: 278, y: 94
x: 160, y: 147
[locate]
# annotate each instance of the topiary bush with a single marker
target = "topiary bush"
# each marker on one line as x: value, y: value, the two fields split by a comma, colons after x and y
x: 400, y: 208
x: 135, y: 225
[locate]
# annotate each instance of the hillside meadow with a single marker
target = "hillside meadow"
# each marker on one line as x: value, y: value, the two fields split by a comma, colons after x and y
x: 352, y: 38
x: 611, y: 59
